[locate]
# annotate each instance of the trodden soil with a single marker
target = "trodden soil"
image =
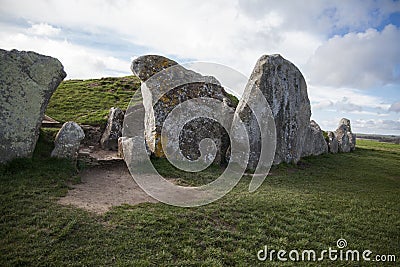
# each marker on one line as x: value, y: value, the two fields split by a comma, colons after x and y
x: 103, y: 187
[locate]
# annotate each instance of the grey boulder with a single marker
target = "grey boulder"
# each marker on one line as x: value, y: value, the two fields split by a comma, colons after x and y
x: 68, y: 140
x: 332, y: 142
x: 27, y: 81
x: 314, y: 143
x: 346, y: 139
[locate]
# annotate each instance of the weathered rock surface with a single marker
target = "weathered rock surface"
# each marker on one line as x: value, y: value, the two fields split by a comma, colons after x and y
x: 346, y: 139
x: 314, y: 143
x: 68, y: 140
x: 332, y: 142
x: 113, y: 131
x: 146, y: 66
x: 159, y: 101
x: 285, y: 89
x: 27, y: 81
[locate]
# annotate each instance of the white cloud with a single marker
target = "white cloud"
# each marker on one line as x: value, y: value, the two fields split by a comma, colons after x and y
x: 358, y: 60
x: 322, y: 17
x: 78, y: 61
x: 43, y: 29
x: 344, y: 98
x: 395, y: 107
x: 216, y: 31
x: 377, y: 126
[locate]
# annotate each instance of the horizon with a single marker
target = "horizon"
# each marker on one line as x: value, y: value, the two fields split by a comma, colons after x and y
x: 347, y: 51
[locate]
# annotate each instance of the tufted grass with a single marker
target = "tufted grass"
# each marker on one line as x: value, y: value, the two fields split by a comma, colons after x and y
x: 354, y: 196
x: 89, y: 101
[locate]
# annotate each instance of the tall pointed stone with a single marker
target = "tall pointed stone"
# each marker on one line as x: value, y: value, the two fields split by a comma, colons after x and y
x: 285, y: 89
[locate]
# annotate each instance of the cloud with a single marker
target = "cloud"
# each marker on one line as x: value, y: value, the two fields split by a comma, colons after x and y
x: 347, y: 98
x: 78, y: 61
x: 395, y: 107
x: 377, y: 126
x: 359, y: 60
x: 43, y: 29
x: 323, y: 17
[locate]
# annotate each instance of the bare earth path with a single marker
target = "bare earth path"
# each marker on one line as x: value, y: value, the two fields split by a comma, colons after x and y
x: 103, y: 187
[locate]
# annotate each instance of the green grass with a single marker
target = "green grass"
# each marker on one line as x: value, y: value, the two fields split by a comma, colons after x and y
x: 89, y: 101
x: 309, y: 206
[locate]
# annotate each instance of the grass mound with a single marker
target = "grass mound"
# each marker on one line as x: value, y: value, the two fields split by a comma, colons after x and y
x: 89, y: 101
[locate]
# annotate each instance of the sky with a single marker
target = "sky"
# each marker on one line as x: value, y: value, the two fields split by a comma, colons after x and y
x: 348, y: 51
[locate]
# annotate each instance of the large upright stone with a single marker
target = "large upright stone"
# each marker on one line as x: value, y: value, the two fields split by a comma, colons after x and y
x: 68, y: 140
x: 27, y: 81
x: 285, y: 90
x: 346, y: 139
x: 170, y: 88
x: 113, y: 131
x: 314, y: 143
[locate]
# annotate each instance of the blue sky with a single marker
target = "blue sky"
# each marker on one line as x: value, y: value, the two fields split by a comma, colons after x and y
x: 347, y: 50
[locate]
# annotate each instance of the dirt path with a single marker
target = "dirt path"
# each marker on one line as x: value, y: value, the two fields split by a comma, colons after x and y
x: 103, y: 187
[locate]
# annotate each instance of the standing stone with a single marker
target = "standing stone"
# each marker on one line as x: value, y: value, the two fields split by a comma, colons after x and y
x: 346, y: 139
x: 68, y: 140
x: 314, y: 143
x: 113, y: 131
x: 159, y: 102
x: 27, y: 81
x: 285, y: 89
x: 332, y: 143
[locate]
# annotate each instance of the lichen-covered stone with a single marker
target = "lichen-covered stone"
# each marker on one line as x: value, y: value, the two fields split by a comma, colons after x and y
x: 332, y: 142
x: 346, y: 139
x: 314, y: 143
x: 146, y: 66
x: 159, y: 101
x: 68, y: 140
x: 113, y: 131
x: 285, y: 90
x: 27, y: 81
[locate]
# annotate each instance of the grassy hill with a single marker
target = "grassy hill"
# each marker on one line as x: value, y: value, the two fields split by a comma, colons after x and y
x: 89, y: 101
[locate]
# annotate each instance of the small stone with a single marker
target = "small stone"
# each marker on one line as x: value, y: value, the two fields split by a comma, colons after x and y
x: 332, y: 143
x: 68, y: 140
x: 113, y: 131
x: 346, y: 139
x: 314, y: 143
